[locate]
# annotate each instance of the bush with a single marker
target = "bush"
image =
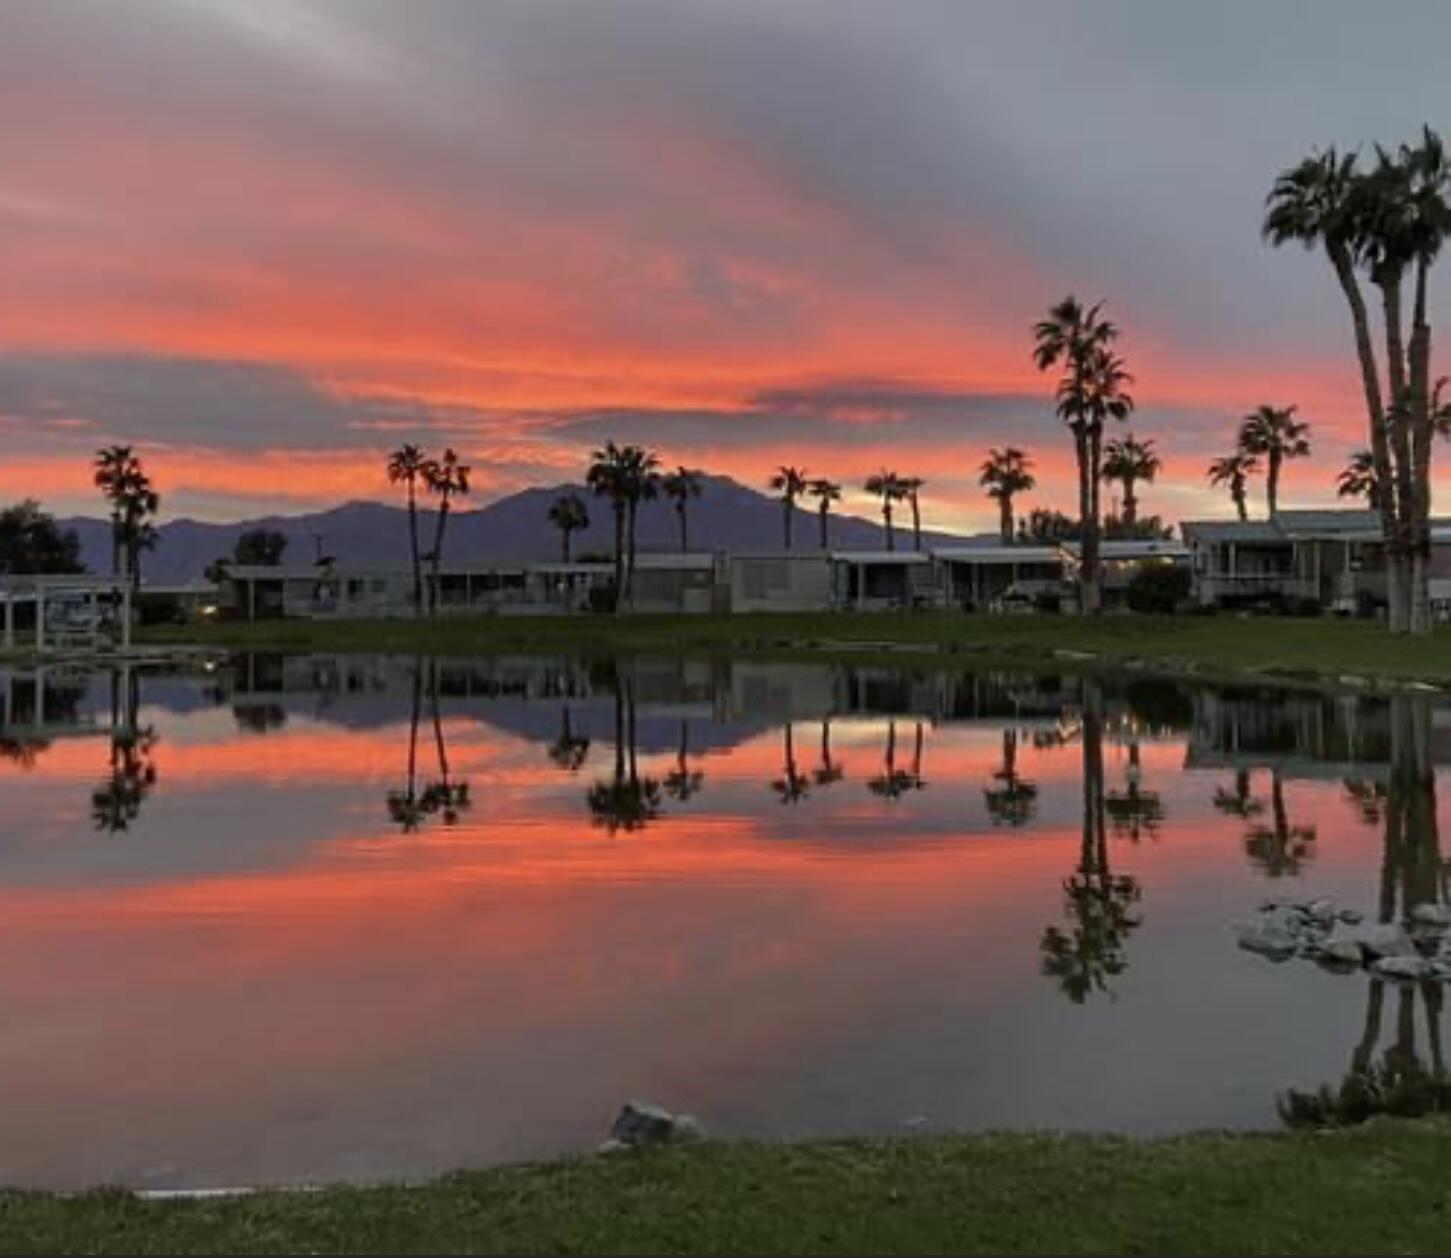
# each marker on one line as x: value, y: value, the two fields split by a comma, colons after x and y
x: 1159, y: 588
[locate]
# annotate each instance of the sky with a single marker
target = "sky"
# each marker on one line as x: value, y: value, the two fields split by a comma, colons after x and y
x: 267, y: 240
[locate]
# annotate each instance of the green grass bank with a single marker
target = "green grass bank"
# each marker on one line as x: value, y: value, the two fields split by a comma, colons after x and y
x: 1380, y: 1188
x: 1309, y: 649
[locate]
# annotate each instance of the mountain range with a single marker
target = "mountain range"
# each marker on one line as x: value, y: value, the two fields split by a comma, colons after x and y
x: 728, y: 515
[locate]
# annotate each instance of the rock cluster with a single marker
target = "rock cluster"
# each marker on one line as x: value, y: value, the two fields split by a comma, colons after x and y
x: 640, y: 1125
x: 1416, y: 950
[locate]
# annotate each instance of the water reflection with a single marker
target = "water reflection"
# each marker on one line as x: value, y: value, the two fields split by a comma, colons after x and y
x: 856, y: 894
x: 1406, y: 1074
x: 1100, y: 906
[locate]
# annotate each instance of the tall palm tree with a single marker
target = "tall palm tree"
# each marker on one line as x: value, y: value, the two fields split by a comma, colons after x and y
x: 405, y: 808
x: 449, y: 479
x: 1357, y: 479
x: 790, y: 482
x: 680, y: 486
x: 569, y: 515
x: 1128, y: 460
x: 825, y: 492
x: 405, y: 467
x: 626, y: 475
x: 1005, y: 473
x: 1092, y: 388
x: 911, y: 488
x: 792, y: 786
x: 608, y: 477
x: 888, y: 487
x: 123, y: 481
x: 1275, y: 433
x: 1234, y: 471
x: 830, y: 770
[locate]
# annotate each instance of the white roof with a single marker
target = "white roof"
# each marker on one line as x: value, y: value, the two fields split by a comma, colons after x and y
x: 998, y: 554
x: 674, y: 561
x: 1134, y: 548
x: 881, y: 556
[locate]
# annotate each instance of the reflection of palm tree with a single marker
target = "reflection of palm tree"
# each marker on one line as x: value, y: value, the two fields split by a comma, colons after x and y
x: 443, y: 795
x: 830, y: 770
x: 892, y: 782
x: 1100, y: 905
x: 792, y: 786
x: 404, y: 807
x: 570, y: 750
x: 1134, y: 811
x: 1402, y: 1082
x: 1014, y: 800
x: 116, y: 803
x: 1280, y: 848
x: 625, y: 801
x: 682, y: 781
x: 1240, y: 802
x: 1367, y: 798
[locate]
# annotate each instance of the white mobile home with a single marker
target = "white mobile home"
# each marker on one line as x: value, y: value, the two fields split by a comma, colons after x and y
x: 882, y: 580
x: 994, y: 577
x: 779, y: 581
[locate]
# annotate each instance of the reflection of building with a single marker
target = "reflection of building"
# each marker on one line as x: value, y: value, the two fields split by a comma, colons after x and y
x: 1300, y: 735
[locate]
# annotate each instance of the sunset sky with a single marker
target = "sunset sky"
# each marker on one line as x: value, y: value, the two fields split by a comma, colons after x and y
x: 266, y: 239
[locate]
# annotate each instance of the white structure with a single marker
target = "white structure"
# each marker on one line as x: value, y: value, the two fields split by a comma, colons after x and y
x: 994, y: 577
x: 882, y: 580
x: 780, y: 581
x: 68, y: 611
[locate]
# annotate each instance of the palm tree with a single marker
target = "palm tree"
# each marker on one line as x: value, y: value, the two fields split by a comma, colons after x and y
x: 1004, y: 474
x: 1279, y: 848
x: 1275, y: 433
x: 1234, y: 470
x: 1013, y: 799
x: 405, y: 809
x: 825, y: 492
x: 683, y: 782
x: 1092, y: 388
x: 888, y: 486
x: 830, y: 770
x: 790, y: 482
x: 123, y: 481
x: 609, y: 477
x: 406, y: 466
x: 570, y: 750
x: 1129, y: 461
x: 449, y: 479
x: 625, y: 801
x: 569, y: 515
x: 1357, y: 479
x: 680, y: 486
x: 911, y: 487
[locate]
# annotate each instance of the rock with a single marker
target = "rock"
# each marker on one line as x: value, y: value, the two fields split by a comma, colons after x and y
x: 1404, y: 969
x: 1382, y: 939
x: 1351, y: 917
x: 1431, y: 916
x: 1339, y: 954
x: 640, y: 1124
x: 1321, y: 911
x: 1268, y: 940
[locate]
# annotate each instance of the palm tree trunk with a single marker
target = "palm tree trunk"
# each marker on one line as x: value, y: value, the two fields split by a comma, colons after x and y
x: 916, y: 525
x: 1131, y: 503
x: 564, y: 543
x: 684, y: 529
x: 1005, y: 518
x: 1240, y: 503
x: 786, y: 519
x: 1272, y: 484
x: 887, y: 518
x: 413, y: 547
x: 1088, y: 596
x: 1400, y: 423
x: 631, y: 510
x: 823, y: 511
x: 1341, y: 261
x: 619, y: 509
x: 438, y: 551
x: 1422, y: 433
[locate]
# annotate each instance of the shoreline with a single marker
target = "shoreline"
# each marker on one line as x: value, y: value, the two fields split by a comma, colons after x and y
x: 1379, y: 1187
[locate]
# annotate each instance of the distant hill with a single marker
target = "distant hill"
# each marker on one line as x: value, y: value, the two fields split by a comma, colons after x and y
x: 728, y: 516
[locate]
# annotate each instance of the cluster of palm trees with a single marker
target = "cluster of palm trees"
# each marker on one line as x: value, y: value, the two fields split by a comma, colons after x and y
x: 1271, y: 433
x: 446, y: 478
x: 124, y: 482
x: 1384, y: 223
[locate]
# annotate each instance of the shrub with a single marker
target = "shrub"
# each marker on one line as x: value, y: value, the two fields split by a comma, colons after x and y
x: 1159, y: 588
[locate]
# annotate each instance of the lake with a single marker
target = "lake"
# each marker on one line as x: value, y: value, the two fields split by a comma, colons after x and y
x: 299, y: 918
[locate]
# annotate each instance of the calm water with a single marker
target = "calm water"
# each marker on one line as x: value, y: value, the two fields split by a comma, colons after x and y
x: 312, y: 918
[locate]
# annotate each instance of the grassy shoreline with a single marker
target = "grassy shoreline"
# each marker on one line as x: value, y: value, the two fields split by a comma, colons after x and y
x: 1380, y: 1188
x: 1314, y: 651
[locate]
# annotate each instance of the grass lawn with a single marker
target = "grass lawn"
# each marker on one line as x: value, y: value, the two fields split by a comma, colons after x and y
x: 1295, y: 648
x: 1381, y: 1188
